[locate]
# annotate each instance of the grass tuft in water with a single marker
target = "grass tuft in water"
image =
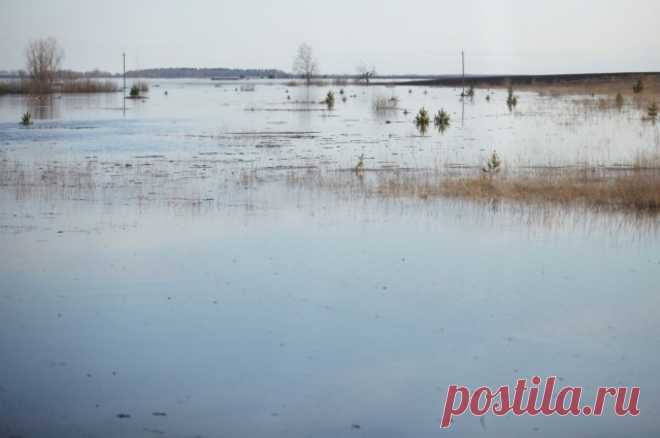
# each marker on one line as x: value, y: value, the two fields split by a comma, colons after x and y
x: 26, y: 120
x: 442, y: 120
x: 493, y: 165
x: 422, y: 120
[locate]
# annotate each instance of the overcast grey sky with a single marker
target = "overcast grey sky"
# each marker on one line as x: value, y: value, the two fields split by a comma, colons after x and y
x: 499, y: 36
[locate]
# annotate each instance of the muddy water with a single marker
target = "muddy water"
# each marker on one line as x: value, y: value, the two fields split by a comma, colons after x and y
x: 141, y: 274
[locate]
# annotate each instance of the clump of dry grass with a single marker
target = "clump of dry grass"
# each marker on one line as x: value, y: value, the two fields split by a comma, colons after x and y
x: 605, y: 88
x: 68, y: 86
x: 629, y: 191
x: 88, y: 86
x: 384, y: 104
x: 638, y: 192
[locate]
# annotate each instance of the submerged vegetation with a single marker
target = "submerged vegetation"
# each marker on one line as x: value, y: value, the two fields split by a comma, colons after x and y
x: 512, y: 99
x: 629, y: 188
x: 383, y: 103
x: 28, y: 86
x: 636, y: 191
x: 88, y: 86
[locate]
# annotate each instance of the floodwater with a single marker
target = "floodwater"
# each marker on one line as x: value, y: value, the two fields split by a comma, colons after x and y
x: 161, y: 276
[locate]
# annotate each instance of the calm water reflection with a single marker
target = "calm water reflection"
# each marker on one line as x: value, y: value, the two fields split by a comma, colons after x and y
x: 257, y: 309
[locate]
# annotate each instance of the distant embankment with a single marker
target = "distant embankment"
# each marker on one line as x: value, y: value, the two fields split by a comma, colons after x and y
x: 502, y: 80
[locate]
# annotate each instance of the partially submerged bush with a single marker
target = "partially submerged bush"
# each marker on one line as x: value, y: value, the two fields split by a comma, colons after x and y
x: 359, y: 167
x: 652, y: 111
x: 619, y: 100
x: 330, y: 100
x: 442, y: 120
x: 422, y: 120
x: 469, y: 93
x: 493, y: 165
x: 512, y: 99
x: 26, y: 120
x: 138, y: 88
x: 639, y: 86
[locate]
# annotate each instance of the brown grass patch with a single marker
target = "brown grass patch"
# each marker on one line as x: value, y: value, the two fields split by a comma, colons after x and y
x: 628, y: 190
x: 604, y: 88
x: 88, y: 86
x: 68, y: 86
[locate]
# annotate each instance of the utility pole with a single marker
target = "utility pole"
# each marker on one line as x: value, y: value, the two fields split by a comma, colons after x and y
x: 124, y: 74
x: 463, y: 63
x: 463, y: 92
x: 123, y: 100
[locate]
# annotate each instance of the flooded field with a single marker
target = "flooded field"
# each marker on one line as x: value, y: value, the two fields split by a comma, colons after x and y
x: 207, y: 263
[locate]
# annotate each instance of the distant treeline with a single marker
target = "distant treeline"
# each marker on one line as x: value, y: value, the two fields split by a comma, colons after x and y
x: 163, y: 73
x: 200, y: 73
x: 206, y: 73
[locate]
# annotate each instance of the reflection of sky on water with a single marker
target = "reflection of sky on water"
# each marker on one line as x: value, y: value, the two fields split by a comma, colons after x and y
x: 308, y: 319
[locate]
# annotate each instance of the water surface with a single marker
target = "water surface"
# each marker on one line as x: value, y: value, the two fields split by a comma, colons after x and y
x: 145, y: 275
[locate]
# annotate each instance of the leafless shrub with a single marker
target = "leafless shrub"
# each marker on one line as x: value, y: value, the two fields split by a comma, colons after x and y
x: 365, y: 73
x: 305, y: 64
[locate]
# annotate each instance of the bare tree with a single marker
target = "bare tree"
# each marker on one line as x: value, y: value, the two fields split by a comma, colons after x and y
x: 44, y: 57
x: 305, y: 64
x: 365, y: 73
